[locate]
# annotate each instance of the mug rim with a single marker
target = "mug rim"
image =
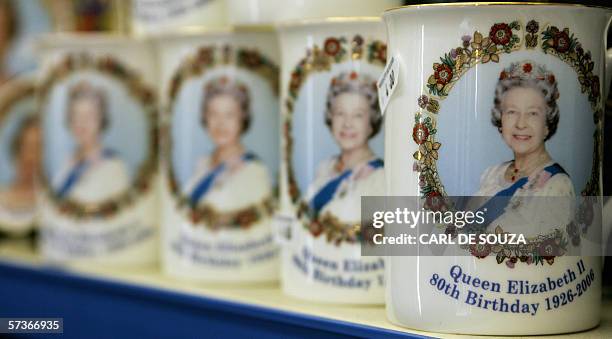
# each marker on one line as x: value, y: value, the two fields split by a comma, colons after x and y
x: 196, y: 31
x: 83, y: 39
x: 491, y: 3
x: 186, y: 32
x: 327, y: 20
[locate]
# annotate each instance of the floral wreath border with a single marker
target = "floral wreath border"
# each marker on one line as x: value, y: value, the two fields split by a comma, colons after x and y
x: 17, y: 90
x: 504, y: 38
x: 136, y: 88
x: 335, y: 50
x: 204, y: 59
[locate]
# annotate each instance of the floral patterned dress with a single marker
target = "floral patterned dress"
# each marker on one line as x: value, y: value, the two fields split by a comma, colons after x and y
x: 242, y: 183
x: 544, y: 202
x: 344, y: 204
x: 100, y: 179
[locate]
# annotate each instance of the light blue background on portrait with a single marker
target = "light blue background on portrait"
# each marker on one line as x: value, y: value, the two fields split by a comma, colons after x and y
x: 470, y: 143
x: 33, y: 19
x: 190, y: 140
x: 312, y: 139
x: 127, y: 132
x: 11, y: 123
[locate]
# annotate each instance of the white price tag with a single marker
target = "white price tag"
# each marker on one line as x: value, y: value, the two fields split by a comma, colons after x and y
x: 387, y: 83
x: 281, y: 226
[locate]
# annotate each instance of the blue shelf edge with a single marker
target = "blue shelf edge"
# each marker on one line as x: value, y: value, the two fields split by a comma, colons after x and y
x: 100, y: 308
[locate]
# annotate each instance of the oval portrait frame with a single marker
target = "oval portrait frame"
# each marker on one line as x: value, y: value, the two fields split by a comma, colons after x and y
x: 195, y: 65
x: 335, y: 50
x: 505, y: 38
x: 18, y: 90
x: 143, y: 95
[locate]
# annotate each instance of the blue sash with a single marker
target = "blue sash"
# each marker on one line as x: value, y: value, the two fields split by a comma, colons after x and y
x: 496, y: 206
x: 77, y: 172
x: 325, y: 194
x: 205, y: 184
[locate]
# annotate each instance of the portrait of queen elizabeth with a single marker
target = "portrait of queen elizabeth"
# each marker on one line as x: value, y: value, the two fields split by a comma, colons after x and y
x: 353, y: 118
x: 526, y: 114
x: 94, y: 173
x: 231, y: 177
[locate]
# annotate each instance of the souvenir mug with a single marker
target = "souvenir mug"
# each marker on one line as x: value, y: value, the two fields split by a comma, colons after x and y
x: 332, y: 155
x: 20, y: 153
x: 221, y: 155
x: 153, y: 17
x: 19, y: 132
x: 99, y: 167
x: 270, y: 11
x: 497, y: 100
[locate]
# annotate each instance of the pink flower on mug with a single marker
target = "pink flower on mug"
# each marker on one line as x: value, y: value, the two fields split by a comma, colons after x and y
x: 466, y: 40
x: 511, y: 262
x: 480, y: 251
x: 423, y: 100
x: 455, y: 52
x: 542, y: 179
x: 549, y: 249
x: 422, y: 181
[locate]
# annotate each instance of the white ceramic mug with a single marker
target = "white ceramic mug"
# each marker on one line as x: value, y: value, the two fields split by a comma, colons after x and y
x: 489, y: 95
x: 20, y: 144
x: 99, y: 173
x: 221, y: 155
x: 19, y: 130
x: 332, y: 155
